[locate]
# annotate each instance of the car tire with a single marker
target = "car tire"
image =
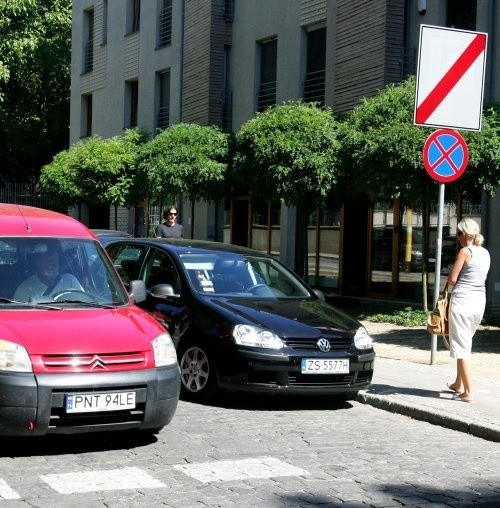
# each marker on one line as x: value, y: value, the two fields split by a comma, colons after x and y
x: 198, y: 376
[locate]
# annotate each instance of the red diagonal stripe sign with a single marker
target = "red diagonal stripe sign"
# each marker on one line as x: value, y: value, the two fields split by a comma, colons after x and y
x: 450, y: 78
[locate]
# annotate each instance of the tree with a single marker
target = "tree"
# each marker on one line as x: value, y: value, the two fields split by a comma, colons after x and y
x: 35, y: 49
x: 97, y: 171
x: 188, y: 158
x: 381, y: 155
x: 288, y: 153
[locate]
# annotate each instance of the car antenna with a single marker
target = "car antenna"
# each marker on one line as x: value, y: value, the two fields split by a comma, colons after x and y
x: 12, y: 197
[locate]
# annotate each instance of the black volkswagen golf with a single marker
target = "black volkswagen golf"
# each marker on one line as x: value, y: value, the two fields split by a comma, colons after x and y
x: 242, y: 321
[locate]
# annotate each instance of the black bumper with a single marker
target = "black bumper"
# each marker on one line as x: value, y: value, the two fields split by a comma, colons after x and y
x: 273, y: 373
x: 32, y: 404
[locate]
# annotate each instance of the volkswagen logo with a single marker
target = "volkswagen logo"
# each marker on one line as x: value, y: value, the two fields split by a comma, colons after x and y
x: 323, y: 345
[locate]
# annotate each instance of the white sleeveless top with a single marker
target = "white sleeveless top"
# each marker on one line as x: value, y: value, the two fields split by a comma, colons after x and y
x: 472, y: 277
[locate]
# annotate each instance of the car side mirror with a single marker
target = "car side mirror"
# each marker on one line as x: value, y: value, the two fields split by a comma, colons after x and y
x: 319, y: 294
x: 162, y: 290
x: 137, y: 291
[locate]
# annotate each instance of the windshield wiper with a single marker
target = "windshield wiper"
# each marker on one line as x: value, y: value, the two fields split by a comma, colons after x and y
x: 37, y: 305
x: 97, y: 305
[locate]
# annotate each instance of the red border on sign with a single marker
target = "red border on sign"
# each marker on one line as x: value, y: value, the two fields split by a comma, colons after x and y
x: 450, y: 79
x: 431, y: 166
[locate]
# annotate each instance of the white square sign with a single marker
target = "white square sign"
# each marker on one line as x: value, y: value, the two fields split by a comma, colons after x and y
x: 450, y: 78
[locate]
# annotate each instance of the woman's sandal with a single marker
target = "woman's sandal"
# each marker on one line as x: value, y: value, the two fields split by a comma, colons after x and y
x: 451, y: 388
x: 462, y: 397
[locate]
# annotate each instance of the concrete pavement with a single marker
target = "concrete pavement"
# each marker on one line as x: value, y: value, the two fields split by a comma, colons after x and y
x: 406, y: 383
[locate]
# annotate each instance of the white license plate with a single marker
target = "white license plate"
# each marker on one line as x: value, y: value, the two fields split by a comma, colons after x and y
x: 324, y: 366
x: 92, y: 402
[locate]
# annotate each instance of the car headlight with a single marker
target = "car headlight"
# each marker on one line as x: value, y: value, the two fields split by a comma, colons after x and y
x: 362, y: 339
x: 14, y: 357
x: 253, y: 336
x: 164, y: 350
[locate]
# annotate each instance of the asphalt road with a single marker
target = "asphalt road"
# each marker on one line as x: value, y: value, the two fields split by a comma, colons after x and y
x: 254, y: 451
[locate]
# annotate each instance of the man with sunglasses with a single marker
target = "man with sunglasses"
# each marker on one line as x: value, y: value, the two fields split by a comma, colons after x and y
x: 169, y: 228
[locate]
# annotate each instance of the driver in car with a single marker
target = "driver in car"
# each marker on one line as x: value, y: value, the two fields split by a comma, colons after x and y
x: 47, y: 281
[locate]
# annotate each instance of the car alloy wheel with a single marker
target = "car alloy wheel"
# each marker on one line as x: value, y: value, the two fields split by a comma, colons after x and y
x: 198, y: 380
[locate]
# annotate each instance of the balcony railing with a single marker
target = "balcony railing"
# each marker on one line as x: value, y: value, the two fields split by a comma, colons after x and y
x: 88, y: 63
x: 267, y: 95
x: 163, y: 118
x: 227, y: 111
x: 165, y: 26
x: 314, y: 87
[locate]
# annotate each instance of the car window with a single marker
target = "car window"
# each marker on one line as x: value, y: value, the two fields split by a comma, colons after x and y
x: 244, y: 276
x: 127, y: 260
x: 161, y: 270
x: 59, y: 270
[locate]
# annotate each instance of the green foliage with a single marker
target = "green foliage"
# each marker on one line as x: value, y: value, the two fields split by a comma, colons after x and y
x: 97, y: 171
x: 35, y: 63
x: 381, y: 150
x: 187, y: 158
x: 401, y: 317
x: 288, y: 152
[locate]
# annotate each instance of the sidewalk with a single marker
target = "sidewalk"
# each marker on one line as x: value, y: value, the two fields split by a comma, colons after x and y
x: 404, y: 381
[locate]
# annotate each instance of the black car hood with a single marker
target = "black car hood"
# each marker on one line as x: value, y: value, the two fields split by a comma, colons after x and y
x: 287, y: 318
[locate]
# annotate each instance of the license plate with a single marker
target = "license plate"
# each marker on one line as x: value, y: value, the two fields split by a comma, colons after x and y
x: 324, y: 366
x: 93, y: 402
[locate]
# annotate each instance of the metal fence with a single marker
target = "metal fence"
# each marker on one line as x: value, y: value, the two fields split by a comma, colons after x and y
x: 22, y: 193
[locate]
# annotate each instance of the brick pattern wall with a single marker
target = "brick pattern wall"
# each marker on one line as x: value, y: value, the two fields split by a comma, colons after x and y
x: 312, y: 11
x: 368, y: 49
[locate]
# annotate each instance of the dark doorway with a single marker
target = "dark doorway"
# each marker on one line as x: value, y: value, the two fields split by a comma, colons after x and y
x: 239, y: 222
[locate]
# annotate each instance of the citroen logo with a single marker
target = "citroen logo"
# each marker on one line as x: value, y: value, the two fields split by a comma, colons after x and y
x: 323, y: 345
x: 97, y: 363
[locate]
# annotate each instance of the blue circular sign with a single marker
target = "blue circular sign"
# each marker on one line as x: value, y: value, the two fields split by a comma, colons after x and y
x: 445, y: 155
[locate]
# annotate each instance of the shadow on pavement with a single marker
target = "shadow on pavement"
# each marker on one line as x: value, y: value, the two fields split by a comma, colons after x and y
x: 485, y: 340
x: 260, y: 402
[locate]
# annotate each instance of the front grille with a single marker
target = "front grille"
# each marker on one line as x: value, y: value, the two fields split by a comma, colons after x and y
x: 337, y: 344
x: 56, y: 364
x: 297, y: 379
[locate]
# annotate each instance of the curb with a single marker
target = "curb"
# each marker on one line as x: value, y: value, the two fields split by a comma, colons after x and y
x: 422, y: 413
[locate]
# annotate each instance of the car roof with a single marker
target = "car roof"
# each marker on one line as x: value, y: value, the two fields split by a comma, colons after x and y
x: 184, y: 245
x: 110, y: 232
x: 22, y: 220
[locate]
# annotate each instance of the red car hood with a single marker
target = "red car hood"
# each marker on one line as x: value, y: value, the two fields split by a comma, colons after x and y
x: 49, y: 332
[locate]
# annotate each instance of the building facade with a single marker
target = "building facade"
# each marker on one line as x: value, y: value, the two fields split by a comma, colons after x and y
x: 154, y: 63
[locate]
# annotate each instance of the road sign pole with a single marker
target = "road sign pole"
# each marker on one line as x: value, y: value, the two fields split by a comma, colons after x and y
x: 437, y: 277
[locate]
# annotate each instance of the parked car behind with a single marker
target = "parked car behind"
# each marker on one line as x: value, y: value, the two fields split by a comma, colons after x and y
x: 241, y: 321
x: 106, y: 236
x: 76, y: 354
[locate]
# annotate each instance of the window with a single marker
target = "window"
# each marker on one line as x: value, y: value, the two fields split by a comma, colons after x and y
x: 461, y: 14
x: 104, y: 21
x: 86, y: 115
x: 165, y: 23
x: 163, y: 117
x: 132, y: 101
x: 228, y: 10
x: 88, y: 51
x: 314, y: 83
x: 133, y: 16
x: 267, y: 85
x: 227, y: 99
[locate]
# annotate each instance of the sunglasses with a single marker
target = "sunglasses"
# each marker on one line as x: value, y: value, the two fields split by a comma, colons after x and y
x: 172, y: 213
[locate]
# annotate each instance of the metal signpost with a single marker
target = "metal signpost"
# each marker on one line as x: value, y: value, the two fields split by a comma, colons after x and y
x: 449, y: 94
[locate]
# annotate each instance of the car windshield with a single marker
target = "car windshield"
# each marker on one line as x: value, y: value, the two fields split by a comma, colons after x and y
x: 69, y: 272
x: 217, y: 274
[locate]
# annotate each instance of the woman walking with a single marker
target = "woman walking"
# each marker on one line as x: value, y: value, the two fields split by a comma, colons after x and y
x: 468, y: 300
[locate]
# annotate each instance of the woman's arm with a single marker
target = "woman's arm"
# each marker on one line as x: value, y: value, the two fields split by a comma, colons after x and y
x: 463, y: 257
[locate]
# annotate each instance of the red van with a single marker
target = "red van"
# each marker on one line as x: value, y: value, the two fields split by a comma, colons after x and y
x: 76, y: 354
